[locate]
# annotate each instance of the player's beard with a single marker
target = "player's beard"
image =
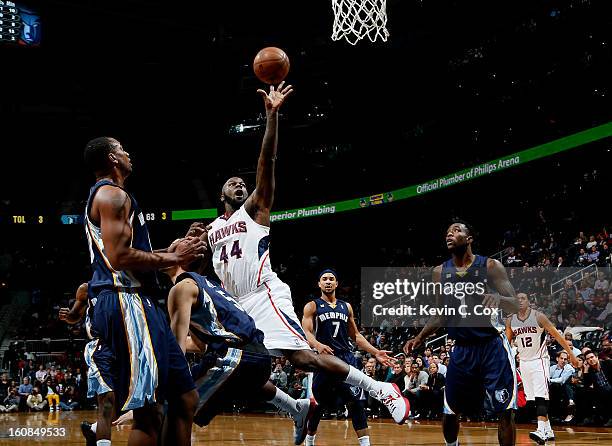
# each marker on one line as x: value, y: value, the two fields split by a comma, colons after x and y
x: 235, y: 203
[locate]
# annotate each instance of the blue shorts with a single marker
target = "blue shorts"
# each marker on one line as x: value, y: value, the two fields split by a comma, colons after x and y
x: 478, y: 371
x: 134, y: 352
x: 238, y: 375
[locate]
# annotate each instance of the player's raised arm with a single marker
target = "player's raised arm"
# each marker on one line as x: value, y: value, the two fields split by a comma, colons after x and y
x: 74, y: 314
x: 258, y: 205
x: 550, y: 328
x: 310, y: 310
x: 180, y: 300
x: 506, y: 295
x: 112, y: 204
x: 433, y: 323
x: 381, y: 356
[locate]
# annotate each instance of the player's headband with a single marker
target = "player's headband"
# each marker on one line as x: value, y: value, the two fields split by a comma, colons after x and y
x: 328, y: 270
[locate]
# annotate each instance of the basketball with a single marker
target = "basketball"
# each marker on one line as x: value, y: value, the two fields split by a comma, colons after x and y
x: 271, y: 65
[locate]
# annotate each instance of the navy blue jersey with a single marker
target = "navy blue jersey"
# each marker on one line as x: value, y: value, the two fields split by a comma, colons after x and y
x: 471, y: 328
x: 331, y: 325
x: 218, y: 320
x: 104, y: 275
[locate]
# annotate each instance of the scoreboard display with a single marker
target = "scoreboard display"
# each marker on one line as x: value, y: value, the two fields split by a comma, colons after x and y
x: 19, y: 24
x: 152, y: 217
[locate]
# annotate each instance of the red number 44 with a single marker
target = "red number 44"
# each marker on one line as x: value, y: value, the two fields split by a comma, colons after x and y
x: 235, y: 252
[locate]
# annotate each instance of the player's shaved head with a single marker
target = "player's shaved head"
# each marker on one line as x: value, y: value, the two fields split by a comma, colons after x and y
x: 234, y: 192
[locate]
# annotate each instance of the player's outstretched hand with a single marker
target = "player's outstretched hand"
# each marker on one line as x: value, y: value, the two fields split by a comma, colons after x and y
x: 196, y: 229
x: 490, y: 301
x: 383, y: 357
x: 189, y: 249
x: 63, y: 314
x: 324, y: 349
x: 412, y: 344
x: 124, y: 419
x: 276, y: 97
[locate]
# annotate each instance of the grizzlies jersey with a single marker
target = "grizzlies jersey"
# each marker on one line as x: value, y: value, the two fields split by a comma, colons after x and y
x: 530, y: 337
x: 104, y: 275
x: 218, y: 320
x: 469, y: 327
x: 240, y: 252
x: 331, y: 325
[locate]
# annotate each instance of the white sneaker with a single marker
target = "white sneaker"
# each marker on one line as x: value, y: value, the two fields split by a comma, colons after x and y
x: 51, y: 409
x: 550, y: 436
x: 300, y: 421
x: 397, y: 405
x: 538, y: 436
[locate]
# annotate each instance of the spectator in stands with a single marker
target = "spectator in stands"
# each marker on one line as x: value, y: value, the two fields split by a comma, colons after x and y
x: 59, y: 377
x: 601, y: 283
x: 41, y: 375
x: 592, y: 242
x: 412, y: 388
x: 443, y: 355
x: 606, y: 255
x: 597, y: 306
x: 606, y: 315
x: 441, y: 368
x: 78, y: 377
x: 11, y: 402
x: 4, y: 386
x: 279, y: 377
x: 585, y: 291
x: 382, y: 372
x: 570, y: 289
x: 577, y: 384
x: 559, y: 388
x: 35, y: 401
x: 598, y: 377
x: 69, y: 380
x: 583, y: 258
x: 397, y: 375
x: 49, y: 389
x: 560, y: 264
x: 427, y: 356
x: 69, y: 400
x: 419, y: 362
x: 432, y: 392
x: 25, y: 389
x: 569, y: 338
x: 580, y: 313
x: 593, y: 256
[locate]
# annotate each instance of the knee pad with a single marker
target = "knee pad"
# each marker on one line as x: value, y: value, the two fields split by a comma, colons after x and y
x: 541, y: 407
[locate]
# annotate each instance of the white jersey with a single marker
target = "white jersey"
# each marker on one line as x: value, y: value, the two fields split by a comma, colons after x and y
x: 240, y: 252
x: 530, y: 337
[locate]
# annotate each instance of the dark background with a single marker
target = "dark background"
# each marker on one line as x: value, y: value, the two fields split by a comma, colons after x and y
x: 457, y: 83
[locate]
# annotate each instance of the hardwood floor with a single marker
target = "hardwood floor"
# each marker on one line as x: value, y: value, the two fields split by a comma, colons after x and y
x: 63, y: 428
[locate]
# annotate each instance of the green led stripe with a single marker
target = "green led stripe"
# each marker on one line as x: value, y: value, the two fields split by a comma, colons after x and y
x: 486, y: 168
x: 194, y: 214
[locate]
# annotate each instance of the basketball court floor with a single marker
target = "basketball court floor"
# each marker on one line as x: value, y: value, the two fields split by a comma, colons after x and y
x: 269, y: 430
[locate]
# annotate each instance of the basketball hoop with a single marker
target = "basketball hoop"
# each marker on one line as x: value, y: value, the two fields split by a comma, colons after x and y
x: 355, y: 19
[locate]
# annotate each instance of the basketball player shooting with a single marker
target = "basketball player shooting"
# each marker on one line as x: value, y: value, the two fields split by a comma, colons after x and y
x: 529, y: 328
x: 239, y: 241
x: 481, y: 363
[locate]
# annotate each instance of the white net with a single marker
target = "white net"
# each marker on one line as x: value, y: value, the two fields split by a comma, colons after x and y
x: 356, y: 19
